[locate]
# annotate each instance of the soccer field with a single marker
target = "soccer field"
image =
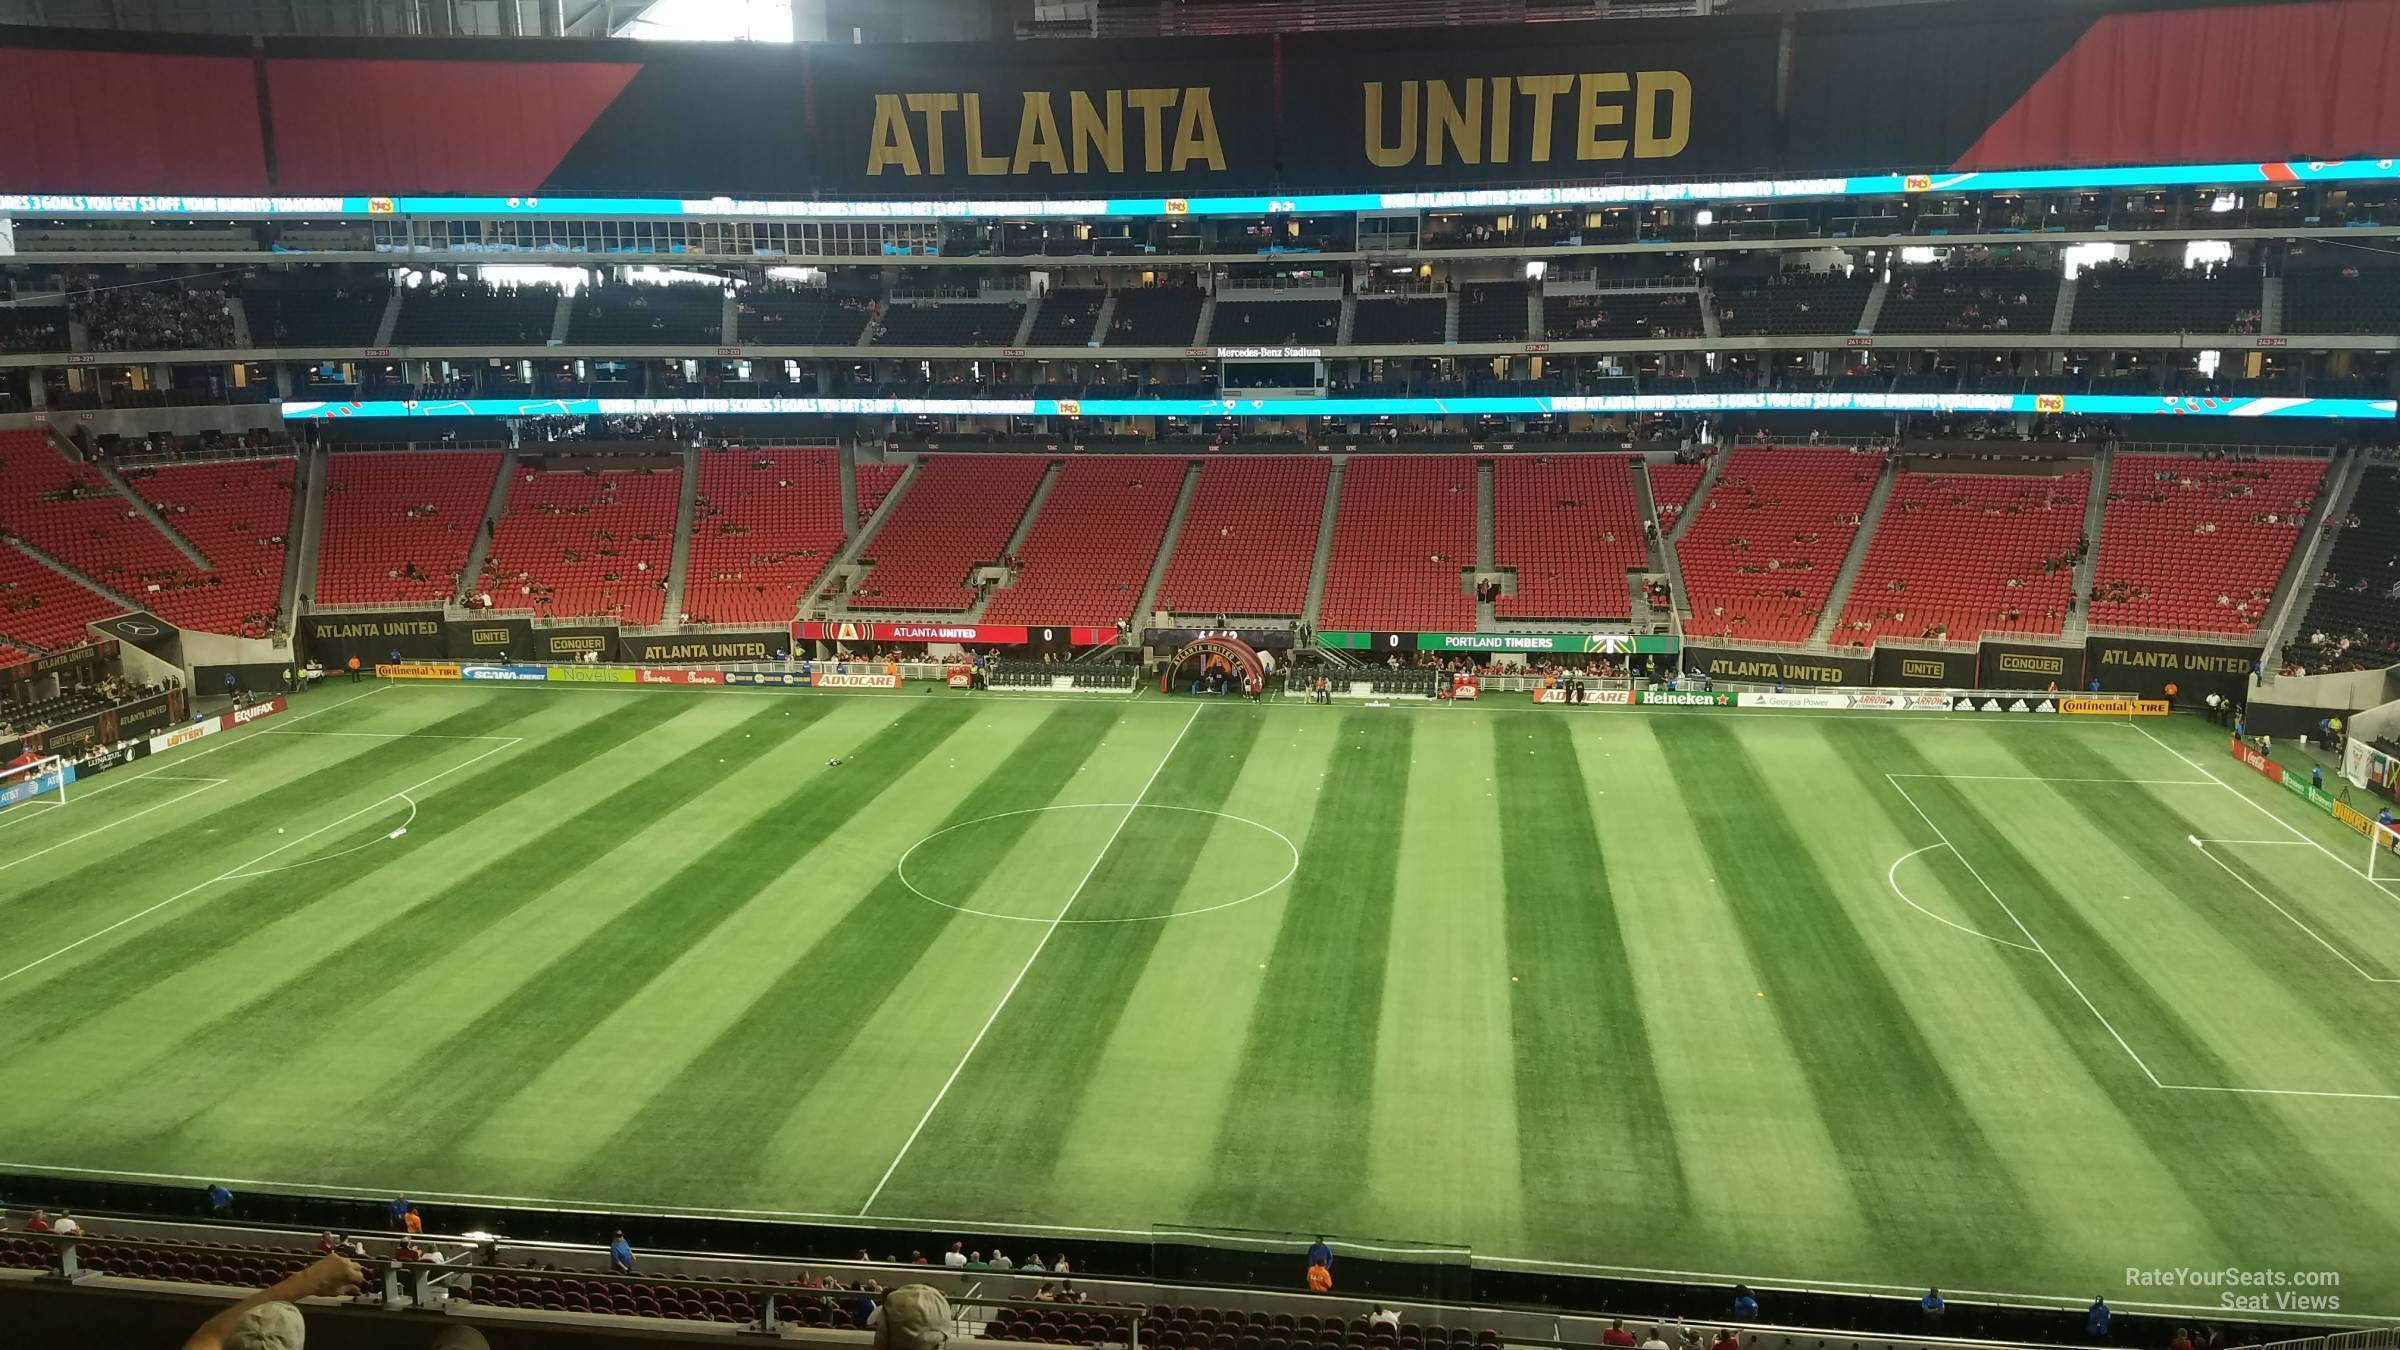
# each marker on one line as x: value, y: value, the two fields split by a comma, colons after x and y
x: 1794, y: 998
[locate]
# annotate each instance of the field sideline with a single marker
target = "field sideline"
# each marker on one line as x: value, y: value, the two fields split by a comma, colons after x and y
x: 2002, y: 1003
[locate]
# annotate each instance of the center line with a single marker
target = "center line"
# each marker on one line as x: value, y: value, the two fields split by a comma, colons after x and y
x: 1011, y: 992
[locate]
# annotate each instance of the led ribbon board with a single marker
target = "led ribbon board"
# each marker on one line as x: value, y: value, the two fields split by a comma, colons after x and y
x: 2283, y: 173
x: 2088, y: 405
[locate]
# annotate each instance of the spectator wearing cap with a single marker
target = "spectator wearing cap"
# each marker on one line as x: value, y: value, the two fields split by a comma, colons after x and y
x: 912, y: 1317
x: 620, y: 1255
x: 267, y: 1320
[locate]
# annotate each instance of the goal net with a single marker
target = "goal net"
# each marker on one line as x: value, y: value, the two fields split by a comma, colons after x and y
x: 35, y: 784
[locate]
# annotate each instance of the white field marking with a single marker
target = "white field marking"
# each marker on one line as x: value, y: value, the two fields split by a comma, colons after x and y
x: 2339, y: 954
x: 1023, y: 970
x: 2037, y: 778
x: 392, y: 735
x: 2066, y: 1302
x: 1891, y: 877
x: 2298, y: 835
x: 901, y: 868
x: 269, y: 727
x: 205, y: 785
x: 2029, y: 937
x: 243, y: 868
x: 2254, y: 843
x: 2283, y: 1092
x: 328, y: 857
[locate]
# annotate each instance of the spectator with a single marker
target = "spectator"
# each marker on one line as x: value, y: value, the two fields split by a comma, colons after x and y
x: 39, y: 1223
x: 1617, y: 1336
x: 1033, y: 1264
x: 267, y: 1320
x: 1320, y: 1254
x: 219, y: 1199
x: 1320, y: 1278
x: 1656, y: 1340
x: 913, y: 1317
x: 2095, y: 1319
x: 66, y: 1225
x: 620, y: 1256
x: 411, y: 1221
x: 1932, y: 1307
x: 1745, y: 1303
x: 399, y: 1206
x: 956, y: 1256
x: 1384, y: 1317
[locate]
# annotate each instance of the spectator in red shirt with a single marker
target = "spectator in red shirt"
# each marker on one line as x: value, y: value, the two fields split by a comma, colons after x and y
x: 39, y: 1223
x: 1617, y: 1335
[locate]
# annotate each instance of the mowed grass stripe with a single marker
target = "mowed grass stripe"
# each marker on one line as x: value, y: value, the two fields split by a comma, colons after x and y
x: 1589, y: 1102
x: 209, y: 920
x: 726, y: 1106
x: 1294, y: 1141
x: 236, y: 830
x: 468, y: 1075
x: 1012, y: 1107
x: 2249, y: 1174
x: 1931, y: 1186
x: 391, y: 954
x: 2152, y: 831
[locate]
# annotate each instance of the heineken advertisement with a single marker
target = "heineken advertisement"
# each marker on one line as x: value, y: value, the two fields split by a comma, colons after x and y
x: 1606, y: 644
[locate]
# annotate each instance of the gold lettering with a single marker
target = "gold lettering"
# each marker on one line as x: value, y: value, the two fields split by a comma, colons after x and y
x: 1544, y: 90
x: 1593, y: 116
x: 1648, y: 141
x: 1037, y: 136
x: 1500, y: 111
x: 1093, y: 132
x: 979, y: 163
x: 1392, y: 157
x: 933, y: 106
x: 1462, y: 127
x: 1152, y: 104
x: 1196, y: 132
x: 889, y: 142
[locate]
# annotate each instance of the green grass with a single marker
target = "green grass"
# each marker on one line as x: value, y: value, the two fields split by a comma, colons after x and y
x: 1610, y: 988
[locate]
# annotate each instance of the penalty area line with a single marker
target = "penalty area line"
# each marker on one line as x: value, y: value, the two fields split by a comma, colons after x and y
x: 244, y: 869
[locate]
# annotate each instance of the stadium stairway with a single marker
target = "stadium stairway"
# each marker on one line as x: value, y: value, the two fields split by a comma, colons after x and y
x: 1325, y: 523
x: 1033, y: 313
x: 1710, y: 326
x: 1485, y: 620
x: 1874, y: 307
x: 2077, y: 626
x: 2270, y: 305
x: 150, y: 513
x: 1016, y: 538
x: 1108, y: 315
x: 308, y: 526
x: 679, y: 562
x: 1341, y: 336
x: 2062, y: 313
x: 1148, y: 604
x: 2296, y: 589
x: 1860, y: 543
x: 1208, y: 318
x: 1699, y: 497
x: 490, y: 524
x: 1450, y: 317
x: 729, y: 326
x: 561, y: 317
x: 842, y: 572
x: 240, y: 314
x: 390, y: 322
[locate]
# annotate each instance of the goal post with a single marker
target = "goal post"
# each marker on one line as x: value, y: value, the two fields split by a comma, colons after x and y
x: 39, y: 782
x: 2383, y: 853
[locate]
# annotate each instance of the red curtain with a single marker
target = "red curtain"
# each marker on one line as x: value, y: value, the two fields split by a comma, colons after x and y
x: 2249, y: 84
x: 495, y: 127
x: 80, y: 121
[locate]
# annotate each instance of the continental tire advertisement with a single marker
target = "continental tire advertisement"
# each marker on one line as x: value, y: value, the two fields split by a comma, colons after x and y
x: 373, y: 638
x: 704, y: 648
x: 2027, y: 665
x: 1908, y: 668
x: 1756, y: 666
x: 2183, y: 673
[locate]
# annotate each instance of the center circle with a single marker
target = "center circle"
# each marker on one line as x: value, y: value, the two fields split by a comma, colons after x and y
x: 1070, y: 869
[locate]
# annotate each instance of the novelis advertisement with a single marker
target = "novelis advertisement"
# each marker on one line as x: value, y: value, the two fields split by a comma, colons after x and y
x: 588, y: 675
